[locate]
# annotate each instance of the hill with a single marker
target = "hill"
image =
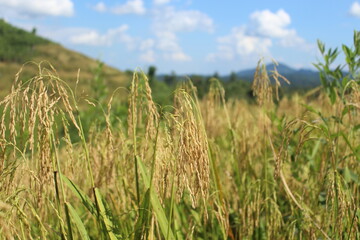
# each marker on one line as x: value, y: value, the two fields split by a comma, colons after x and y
x: 299, y: 78
x: 18, y: 46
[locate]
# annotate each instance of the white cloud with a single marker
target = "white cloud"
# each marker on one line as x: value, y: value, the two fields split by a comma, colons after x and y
x: 145, y: 48
x: 167, y: 22
x: 246, y: 45
x: 147, y: 53
x: 147, y: 44
x: 291, y: 39
x: 130, y: 7
x: 268, y: 24
x: 100, y: 7
x: 257, y: 37
x: 239, y: 43
x: 177, y: 56
x: 168, y: 44
x: 38, y: 8
x: 167, y: 41
x: 355, y: 9
x: 148, y: 56
x: 161, y: 2
x: 93, y: 38
x: 168, y: 19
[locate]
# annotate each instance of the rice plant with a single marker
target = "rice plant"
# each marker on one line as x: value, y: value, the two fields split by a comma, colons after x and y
x: 209, y: 168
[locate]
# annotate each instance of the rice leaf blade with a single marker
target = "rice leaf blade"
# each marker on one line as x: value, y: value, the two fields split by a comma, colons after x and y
x: 86, y: 201
x: 79, y: 224
x: 107, y: 221
x: 155, y: 202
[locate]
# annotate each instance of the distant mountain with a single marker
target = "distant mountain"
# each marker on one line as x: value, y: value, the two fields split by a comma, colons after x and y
x: 299, y: 78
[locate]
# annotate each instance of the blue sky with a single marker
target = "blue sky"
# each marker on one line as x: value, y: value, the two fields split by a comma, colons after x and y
x: 190, y: 36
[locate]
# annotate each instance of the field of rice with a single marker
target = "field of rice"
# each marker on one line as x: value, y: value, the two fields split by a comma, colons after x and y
x: 205, y: 168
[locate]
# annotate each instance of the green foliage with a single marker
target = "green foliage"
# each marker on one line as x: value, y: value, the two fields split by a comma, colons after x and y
x: 151, y: 74
x: 162, y: 93
x: 155, y: 202
x: 238, y: 89
x: 334, y: 80
x: 94, y: 114
x: 98, y: 83
x: 17, y: 44
x: 78, y: 222
x: 170, y: 79
x: 201, y: 84
x: 233, y: 77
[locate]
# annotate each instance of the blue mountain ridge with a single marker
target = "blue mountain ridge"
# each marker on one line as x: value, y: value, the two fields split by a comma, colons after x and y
x: 303, y: 78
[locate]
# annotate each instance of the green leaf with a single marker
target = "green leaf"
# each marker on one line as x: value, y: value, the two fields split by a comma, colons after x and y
x: 79, y: 224
x: 86, y: 201
x: 350, y: 176
x: 310, y: 108
x: 332, y: 94
x: 155, y: 202
x: 348, y: 54
x: 323, y: 79
x: 180, y: 222
x: 105, y: 218
x: 354, y: 151
x: 344, y: 111
x: 357, y: 41
x: 143, y: 221
x: 333, y: 55
x: 321, y: 46
x: 345, y: 81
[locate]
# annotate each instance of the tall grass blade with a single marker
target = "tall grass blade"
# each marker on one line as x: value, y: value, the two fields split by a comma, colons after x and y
x: 104, y: 216
x: 355, y: 152
x: 142, y: 225
x: 79, y: 224
x: 86, y: 201
x: 155, y: 202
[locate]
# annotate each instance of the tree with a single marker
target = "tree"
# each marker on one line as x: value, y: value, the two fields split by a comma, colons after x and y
x: 170, y: 79
x: 200, y: 84
x: 216, y: 75
x: 233, y: 77
x: 151, y: 74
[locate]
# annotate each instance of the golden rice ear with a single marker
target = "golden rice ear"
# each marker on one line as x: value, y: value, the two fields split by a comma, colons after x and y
x: 193, y: 153
x: 276, y: 76
x: 132, y: 110
x: 212, y: 107
x: 142, y: 106
x: 165, y: 178
x: 32, y: 108
x: 261, y: 86
x: 352, y: 94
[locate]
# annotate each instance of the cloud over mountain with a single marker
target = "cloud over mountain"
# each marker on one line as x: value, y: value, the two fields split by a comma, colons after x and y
x: 37, y: 8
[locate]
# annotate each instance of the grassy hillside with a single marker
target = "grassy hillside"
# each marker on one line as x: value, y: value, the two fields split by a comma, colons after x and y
x: 18, y: 46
